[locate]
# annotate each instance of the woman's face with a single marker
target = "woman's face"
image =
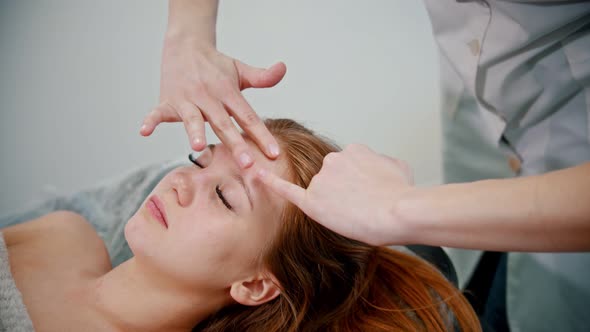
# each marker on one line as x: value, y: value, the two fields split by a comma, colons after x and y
x: 218, y: 221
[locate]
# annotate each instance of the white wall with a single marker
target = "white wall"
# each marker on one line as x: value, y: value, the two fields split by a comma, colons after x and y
x: 78, y: 76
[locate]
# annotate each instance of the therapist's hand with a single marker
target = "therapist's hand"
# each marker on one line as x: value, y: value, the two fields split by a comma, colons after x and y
x: 200, y: 84
x: 354, y: 194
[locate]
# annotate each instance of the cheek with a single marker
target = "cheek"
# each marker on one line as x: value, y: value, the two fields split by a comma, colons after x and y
x: 137, y: 235
x: 212, y: 238
x: 200, y: 258
x: 217, y: 251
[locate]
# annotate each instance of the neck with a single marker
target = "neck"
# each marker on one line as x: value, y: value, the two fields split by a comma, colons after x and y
x: 133, y: 297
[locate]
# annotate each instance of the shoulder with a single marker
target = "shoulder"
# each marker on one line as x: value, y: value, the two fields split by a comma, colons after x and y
x: 59, y: 233
x: 63, y: 222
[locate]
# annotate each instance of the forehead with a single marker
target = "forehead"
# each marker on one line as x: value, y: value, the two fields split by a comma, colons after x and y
x: 279, y: 166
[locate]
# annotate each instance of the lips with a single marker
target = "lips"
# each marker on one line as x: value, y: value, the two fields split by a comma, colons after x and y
x: 157, y: 210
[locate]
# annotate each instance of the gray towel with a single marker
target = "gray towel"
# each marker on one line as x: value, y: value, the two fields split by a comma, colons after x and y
x: 107, y: 206
x: 13, y: 313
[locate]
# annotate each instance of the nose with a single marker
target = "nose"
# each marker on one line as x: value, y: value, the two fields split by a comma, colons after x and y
x: 180, y: 182
x: 187, y: 183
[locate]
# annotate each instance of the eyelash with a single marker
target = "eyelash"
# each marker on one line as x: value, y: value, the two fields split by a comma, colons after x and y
x: 222, y: 198
x: 217, y: 189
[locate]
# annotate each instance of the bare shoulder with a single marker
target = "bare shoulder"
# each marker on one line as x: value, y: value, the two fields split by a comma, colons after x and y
x: 62, y: 222
x: 59, y: 234
x: 51, y: 257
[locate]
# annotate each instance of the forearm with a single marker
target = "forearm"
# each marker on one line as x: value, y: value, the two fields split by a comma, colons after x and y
x: 194, y: 19
x: 549, y: 212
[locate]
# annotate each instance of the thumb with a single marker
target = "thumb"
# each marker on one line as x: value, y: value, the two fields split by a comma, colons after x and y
x: 252, y: 77
x: 285, y: 189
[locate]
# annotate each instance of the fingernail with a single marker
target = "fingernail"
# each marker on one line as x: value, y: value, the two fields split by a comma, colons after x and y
x: 261, y: 173
x: 197, y: 142
x: 143, y: 128
x: 273, y: 149
x: 245, y: 160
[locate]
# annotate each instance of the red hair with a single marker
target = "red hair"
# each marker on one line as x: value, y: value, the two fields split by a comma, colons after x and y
x: 331, y: 283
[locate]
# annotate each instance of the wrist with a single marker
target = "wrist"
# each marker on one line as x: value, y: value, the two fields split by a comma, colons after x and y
x: 192, y: 20
x: 180, y: 40
x: 190, y: 32
x: 408, y: 215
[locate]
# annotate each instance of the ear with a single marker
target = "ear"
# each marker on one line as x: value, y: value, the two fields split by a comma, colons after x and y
x: 253, y: 292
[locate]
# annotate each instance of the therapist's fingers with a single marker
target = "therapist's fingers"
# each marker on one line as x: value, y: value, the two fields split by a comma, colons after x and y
x: 246, y: 117
x: 164, y: 112
x: 227, y: 132
x: 194, y: 125
x: 252, y: 124
x: 289, y: 191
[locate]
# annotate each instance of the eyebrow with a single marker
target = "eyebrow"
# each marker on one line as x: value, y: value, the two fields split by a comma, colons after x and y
x: 238, y: 177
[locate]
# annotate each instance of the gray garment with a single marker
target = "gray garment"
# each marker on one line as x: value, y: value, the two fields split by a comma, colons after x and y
x: 516, y: 102
x: 13, y: 313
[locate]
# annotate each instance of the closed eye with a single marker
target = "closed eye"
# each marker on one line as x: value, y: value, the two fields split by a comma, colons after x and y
x: 217, y: 189
x: 222, y: 198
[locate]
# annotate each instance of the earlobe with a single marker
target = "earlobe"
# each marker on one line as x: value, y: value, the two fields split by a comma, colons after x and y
x: 254, y: 292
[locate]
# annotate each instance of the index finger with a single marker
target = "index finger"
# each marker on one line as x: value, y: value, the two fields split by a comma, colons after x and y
x: 283, y: 188
x: 228, y: 134
x: 247, y: 118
